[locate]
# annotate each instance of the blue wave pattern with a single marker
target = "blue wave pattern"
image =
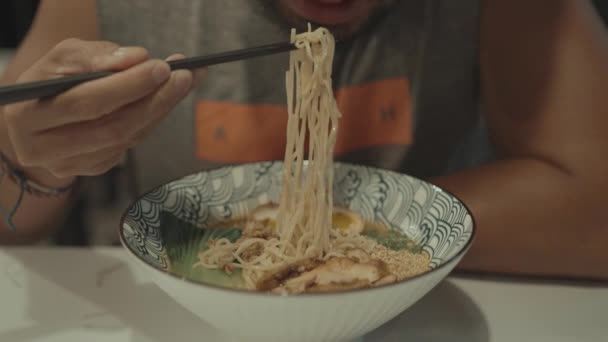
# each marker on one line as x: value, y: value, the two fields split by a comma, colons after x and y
x: 431, y: 217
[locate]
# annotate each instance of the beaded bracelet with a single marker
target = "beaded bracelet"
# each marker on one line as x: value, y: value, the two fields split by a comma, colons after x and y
x: 7, y: 168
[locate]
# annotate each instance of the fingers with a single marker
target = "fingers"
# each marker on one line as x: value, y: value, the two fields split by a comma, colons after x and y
x: 198, y: 77
x: 199, y: 74
x: 95, y: 99
x: 92, y: 99
x: 77, y: 56
x: 125, y: 126
x: 156, y: 106
x: 175, y: 57
x: 118, y: 129
x: 86, y: 130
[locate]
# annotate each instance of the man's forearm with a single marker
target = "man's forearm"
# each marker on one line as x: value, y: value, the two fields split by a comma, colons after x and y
x: 532, y: 219
x: 36, y: 216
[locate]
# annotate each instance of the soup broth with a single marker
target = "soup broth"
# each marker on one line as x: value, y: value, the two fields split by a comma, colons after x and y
x: 389, y: 256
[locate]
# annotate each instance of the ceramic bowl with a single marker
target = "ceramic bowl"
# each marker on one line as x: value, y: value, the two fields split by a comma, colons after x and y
x: 163, y: 231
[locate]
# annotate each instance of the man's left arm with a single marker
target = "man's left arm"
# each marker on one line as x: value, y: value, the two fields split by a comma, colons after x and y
x: 542, y: 209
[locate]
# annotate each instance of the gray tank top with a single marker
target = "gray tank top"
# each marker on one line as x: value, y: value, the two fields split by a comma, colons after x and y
x: 407, y: 86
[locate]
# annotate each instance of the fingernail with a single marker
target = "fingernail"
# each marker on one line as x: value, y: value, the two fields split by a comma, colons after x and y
x: 175, y: 57
x: 161, y: 72
x: 183, y: 81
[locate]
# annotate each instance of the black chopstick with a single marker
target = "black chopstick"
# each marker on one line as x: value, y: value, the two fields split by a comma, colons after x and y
x: 43, y: 89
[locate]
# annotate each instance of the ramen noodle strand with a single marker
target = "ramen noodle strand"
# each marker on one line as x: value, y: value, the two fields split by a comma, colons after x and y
x: 304, y: 219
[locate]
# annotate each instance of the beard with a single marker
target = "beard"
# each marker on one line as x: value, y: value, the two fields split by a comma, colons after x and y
x: 341, y: 32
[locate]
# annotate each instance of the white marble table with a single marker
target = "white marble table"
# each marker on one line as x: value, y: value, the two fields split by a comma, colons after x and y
x: 69, y: 295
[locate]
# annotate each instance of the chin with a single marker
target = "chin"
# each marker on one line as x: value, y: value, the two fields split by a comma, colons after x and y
x: 344, y: 19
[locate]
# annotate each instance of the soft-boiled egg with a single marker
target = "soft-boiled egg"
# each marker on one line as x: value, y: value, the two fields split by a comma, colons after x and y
x: 267, y: 213
x: 347, y: 221
x: 343, y: 220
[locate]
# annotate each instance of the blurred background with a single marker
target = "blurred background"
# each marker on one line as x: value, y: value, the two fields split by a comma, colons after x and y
x: 15, y: 19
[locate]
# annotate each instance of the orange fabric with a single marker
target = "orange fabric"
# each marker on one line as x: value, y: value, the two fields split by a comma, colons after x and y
x: 374, y: 114
x: 228, y: 132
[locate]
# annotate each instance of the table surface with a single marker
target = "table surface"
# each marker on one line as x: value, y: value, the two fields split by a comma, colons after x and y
x: 58, y: 294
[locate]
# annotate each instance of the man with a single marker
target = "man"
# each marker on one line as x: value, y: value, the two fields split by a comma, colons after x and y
x: 406, y: 79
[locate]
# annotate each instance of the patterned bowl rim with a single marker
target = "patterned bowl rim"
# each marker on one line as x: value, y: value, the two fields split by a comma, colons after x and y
x: 464, y: 249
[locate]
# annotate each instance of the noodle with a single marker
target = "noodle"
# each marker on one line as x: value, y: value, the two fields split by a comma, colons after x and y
x: 305, y: 207
x: 304, y: 220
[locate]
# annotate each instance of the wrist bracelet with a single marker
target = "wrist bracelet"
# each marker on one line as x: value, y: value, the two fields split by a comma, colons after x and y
x: 18, y: 177
x: 25, y: 185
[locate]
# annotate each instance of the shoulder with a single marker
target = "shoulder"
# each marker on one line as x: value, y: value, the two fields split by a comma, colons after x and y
x: 541, y: 63
x: 54, y: 22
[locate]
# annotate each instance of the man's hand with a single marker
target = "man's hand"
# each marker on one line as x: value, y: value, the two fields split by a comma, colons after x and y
x: 86, y: 131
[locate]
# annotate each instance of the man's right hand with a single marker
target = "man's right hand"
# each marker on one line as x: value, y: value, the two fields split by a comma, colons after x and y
x: 86, y: 130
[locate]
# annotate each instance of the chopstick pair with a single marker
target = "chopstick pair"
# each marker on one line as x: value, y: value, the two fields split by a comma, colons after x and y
x: 43, y: 89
